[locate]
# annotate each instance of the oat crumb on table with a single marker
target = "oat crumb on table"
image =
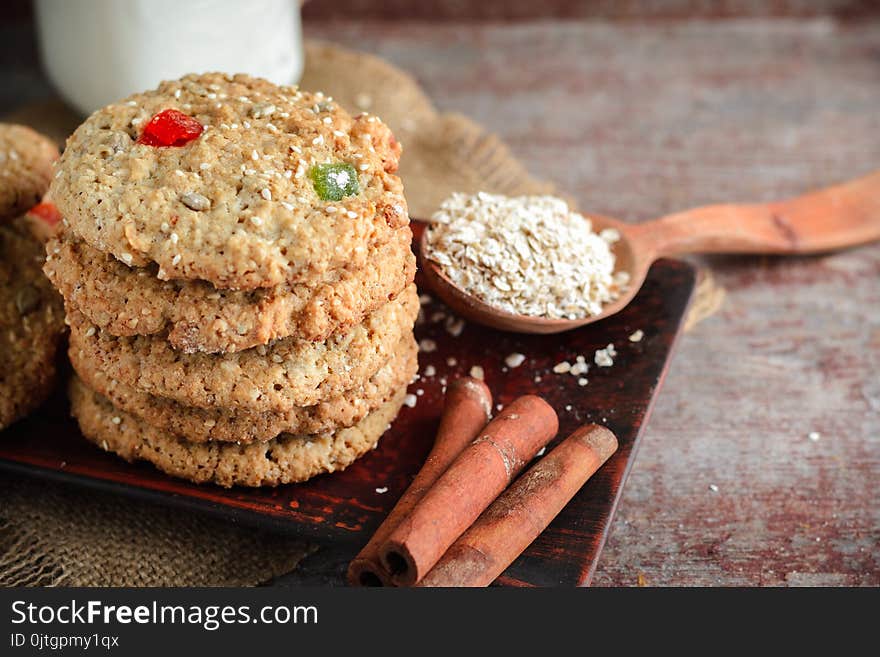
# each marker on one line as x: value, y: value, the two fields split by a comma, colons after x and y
x: 562, y: 368
x: 605, y: 357
x: 454, y: 326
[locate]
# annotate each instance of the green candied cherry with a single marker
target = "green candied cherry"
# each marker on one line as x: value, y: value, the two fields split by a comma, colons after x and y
x: 333, y: 182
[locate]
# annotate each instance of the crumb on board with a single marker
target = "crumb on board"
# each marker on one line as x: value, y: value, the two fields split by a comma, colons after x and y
x: 605, y: 357
x: 636, y: 336
x: 580, y: 367
x: 477, y: 372
x: 454, y: 326
x: 382, y: 490
x: 410, y: 400
x: 514, y: 360
x: 427, y: 345
x: 430, y: 370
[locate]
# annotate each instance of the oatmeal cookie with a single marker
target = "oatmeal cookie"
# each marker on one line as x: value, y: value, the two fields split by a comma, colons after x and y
x: 271, y: 378
x: 26, y: 159
x: 258, y: 185
x: 286, y: 459
x: 198, y: 317
x: 31, y: 324
x: 217, y: 424
x: 43, y: 220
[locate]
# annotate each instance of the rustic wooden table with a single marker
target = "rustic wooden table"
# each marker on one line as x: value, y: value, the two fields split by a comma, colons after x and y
x: 634, y: 119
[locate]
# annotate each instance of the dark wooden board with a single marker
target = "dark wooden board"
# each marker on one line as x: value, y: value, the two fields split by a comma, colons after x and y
x: 347, y: 507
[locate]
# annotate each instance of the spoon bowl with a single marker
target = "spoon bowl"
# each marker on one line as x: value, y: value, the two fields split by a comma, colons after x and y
x: 474, y: 309
x: 833, y: 218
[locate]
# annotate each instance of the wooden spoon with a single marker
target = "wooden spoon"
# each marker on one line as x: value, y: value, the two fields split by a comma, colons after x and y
x: 833, y: 218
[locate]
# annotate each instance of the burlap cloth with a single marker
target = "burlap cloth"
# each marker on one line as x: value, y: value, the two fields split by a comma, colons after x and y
x: 52, y: 534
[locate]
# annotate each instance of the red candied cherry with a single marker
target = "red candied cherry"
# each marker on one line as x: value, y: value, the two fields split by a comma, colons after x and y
x: 170, y: 128
x: 46, y: 211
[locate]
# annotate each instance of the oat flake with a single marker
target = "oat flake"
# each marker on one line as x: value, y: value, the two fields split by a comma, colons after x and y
x: 605, y: 357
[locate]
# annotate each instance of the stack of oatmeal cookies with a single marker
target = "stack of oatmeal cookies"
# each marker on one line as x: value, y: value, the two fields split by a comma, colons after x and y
x: 236, y: 267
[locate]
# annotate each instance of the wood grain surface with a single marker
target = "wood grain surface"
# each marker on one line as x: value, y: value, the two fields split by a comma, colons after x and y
x: 456, y: 10
x: 636, y: 119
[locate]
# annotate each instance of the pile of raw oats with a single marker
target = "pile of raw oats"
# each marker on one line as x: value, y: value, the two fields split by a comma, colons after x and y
x: 529, y: 255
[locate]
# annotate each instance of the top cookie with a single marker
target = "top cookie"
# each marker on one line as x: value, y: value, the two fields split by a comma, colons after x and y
x: 26, y: 159
x: 248, y: 202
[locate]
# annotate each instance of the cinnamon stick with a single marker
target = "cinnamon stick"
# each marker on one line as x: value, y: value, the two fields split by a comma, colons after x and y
x: 466, y: 410
x: 523, y: 511
x: 462, y: 493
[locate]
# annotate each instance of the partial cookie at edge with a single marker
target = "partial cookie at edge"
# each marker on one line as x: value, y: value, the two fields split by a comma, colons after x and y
x: 31, y: 324
x: 26, y: 159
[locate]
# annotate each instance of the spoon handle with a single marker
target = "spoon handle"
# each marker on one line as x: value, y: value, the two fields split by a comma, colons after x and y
x: 836, y: 217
